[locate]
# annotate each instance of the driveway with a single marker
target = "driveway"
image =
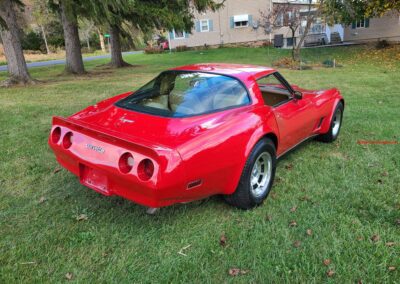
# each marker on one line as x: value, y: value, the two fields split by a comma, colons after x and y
x: 62, y: 61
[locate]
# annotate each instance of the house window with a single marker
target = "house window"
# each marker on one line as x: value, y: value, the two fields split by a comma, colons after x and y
x: 241, y: 21
x: 179, y: 34
x: 363, y: 23
x: 204, y: 26
x: 279, y: 20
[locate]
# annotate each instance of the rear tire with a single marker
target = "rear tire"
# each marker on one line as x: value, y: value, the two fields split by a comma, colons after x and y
x: 257, y: 177
x: 335, y: 126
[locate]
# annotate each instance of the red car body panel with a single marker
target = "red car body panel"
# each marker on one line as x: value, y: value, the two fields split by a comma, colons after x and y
x: 194, y: 157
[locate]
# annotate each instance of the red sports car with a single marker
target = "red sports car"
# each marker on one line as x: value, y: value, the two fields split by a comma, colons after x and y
x: 195, y: 131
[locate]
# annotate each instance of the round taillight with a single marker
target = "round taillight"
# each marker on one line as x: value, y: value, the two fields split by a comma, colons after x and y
x: 145, y: 169
x: 67, y: 140
x: 125, y: 163
x: 56, y: 135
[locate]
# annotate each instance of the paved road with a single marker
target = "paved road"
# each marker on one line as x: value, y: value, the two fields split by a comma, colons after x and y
x: 62, y: 61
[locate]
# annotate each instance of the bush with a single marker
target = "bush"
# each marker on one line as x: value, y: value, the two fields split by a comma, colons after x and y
x: 32, y: 41
x: 286, y: 62
x: 381, y: 44
x: 181, y: 48
x: 153, y: 50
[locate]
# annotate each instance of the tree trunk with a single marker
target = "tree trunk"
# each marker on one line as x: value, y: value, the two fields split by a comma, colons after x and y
x: 293, y: 42
x: 17, y: 69
x: 45, y: 40
x: 102, y: 44
x: 74, y: 62
x: 116, y: 52
x: 297, y: 50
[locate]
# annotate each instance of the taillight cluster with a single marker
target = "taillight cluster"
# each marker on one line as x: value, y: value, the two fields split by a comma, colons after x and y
x: 145, y: 167
x: 56, y: 136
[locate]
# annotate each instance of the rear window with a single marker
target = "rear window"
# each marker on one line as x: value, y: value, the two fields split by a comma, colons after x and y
x: 184, y: 93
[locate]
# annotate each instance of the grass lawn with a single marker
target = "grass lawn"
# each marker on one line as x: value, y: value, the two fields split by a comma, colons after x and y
x: 347, y: 194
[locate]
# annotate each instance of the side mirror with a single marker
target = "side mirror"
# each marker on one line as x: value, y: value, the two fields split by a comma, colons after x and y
x: 298, y: 95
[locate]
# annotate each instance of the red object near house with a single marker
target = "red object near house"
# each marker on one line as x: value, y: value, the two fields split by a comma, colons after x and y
x: 192, y: 132
x: 164, y: 45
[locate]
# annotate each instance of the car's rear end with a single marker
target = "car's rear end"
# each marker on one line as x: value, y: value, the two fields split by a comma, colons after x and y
x: 118, y: 164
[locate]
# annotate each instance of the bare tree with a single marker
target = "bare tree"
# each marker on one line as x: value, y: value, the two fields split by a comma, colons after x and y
x: 42, y: 17
x: 86, y: 29
x: 288, y: 14
x: 9, y: 32
x: 101, y: 39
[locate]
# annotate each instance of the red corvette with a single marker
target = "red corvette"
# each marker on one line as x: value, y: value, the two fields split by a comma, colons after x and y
x: 195, y: 131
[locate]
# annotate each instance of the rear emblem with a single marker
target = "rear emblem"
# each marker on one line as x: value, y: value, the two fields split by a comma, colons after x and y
x: 124, y: 120
x: 98, y: 149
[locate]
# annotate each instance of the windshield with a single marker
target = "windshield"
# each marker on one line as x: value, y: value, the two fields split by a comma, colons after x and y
x: 185, y: 93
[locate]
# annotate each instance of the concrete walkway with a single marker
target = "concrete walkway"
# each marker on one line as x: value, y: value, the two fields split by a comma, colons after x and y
x: 62, y: 61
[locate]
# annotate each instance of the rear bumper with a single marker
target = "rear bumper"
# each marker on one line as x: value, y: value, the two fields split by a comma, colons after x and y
x: 145, y: 194
x: 100, y: 170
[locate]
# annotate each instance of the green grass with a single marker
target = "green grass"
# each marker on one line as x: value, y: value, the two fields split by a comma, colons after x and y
x: 344, y: 192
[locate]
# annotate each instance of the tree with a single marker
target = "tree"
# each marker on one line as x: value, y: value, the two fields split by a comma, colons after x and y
x: 347, y: 11
x: 43, y: 17
x: 283, y: 14
x: 289, y: 15
x: 9, y: 32
x: 69, y: 20
x: 86, y: 28
x: 146, y: 16
x: 69, y: 11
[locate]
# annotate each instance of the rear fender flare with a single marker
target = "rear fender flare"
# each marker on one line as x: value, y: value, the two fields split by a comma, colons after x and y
x: 327, y: 123
x: 259, y: 134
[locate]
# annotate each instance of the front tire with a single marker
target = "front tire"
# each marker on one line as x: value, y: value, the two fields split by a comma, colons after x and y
x: 257, y: 177
x: 335, y: 126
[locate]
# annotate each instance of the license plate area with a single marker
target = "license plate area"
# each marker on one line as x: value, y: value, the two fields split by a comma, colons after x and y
x: 94, y: 178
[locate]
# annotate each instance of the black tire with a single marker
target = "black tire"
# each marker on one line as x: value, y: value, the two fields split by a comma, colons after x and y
x: 244, y: 197
x: 332, y: 134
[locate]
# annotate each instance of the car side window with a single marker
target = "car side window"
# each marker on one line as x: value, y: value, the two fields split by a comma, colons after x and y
x: 273, y: 91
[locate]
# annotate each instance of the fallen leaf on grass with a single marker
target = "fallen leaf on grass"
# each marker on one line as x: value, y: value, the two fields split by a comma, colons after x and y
x: 42, y: 200
x: 305, y: 198
x: 375, y: 238
x: 237, y: 271
x: 293, y: 224
x: 327, y: 262
x: 309, y: 232
x: 184, y: 248
x: 69, y: 276
x: 274, y: 195
x: 293, y: 209
x: 297, y: 244
x: 82, y: 217
x: 390, y: 244
x: 360, y: 238
x: 392, y: 268
x: 385, y: 174
x: 222, y: 240
x: 56, y: 170
x: 269, y: 218
x: 330, y: 273
x: 289, y: 167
